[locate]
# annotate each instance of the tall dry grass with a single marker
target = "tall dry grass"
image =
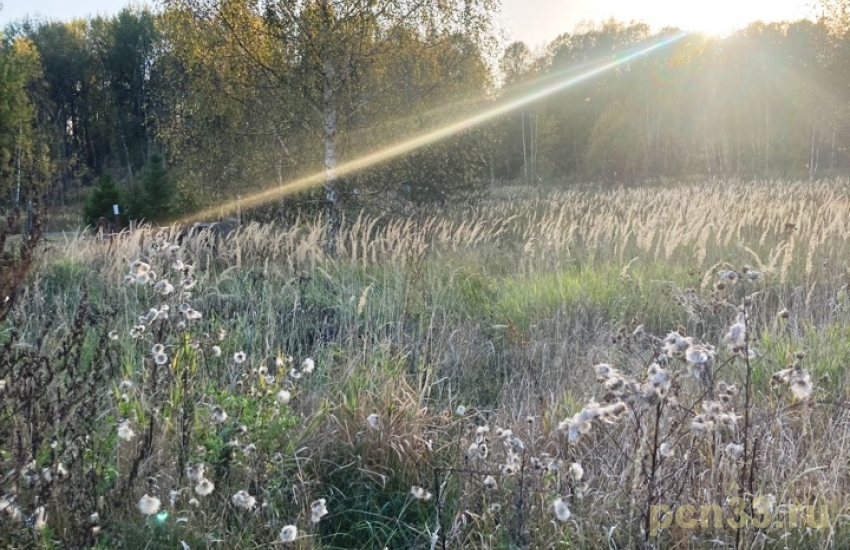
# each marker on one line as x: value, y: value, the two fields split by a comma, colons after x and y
x: 502, y: 308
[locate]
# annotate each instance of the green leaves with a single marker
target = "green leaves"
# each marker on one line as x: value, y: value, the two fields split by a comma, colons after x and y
x: 24, y: 164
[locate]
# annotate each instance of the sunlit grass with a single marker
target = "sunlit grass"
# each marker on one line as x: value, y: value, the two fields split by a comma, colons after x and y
x: 489, y: 316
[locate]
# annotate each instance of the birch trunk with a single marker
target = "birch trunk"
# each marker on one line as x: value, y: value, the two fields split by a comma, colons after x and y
x: 331, y: 196
x: 812, y: 166
x: 524, y: 153
x: 330, y: 127
x: 766, y: 133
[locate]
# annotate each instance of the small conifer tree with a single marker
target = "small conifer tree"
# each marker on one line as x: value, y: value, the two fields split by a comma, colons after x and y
x: 101, y: 200
x: 153, y: 199
x: 159, y: 190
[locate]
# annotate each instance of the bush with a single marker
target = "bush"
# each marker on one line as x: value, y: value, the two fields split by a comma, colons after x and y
x: 100, y: 201
x: 153, y: 200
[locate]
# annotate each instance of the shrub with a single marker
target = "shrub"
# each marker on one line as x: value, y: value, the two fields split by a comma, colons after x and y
x: 101, y: 200
x: 153, y: 200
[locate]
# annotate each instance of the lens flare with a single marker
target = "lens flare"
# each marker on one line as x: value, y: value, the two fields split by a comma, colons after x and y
x: 666, y: 68
x: 539, y: 90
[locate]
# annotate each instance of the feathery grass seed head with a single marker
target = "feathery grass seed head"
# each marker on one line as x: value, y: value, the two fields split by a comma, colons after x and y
x: 576, y: 471
x: 149, y: 505
x: 289, y: 533
x: 318, y: 510
x: 562, y: 511
x: 243, y: 500
x: 307, y: 366
x: 373, y: 420
x: 204, y: 487
x: 420, y: 493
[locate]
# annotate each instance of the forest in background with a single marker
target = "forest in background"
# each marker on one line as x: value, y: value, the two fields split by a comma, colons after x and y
x: 202, y: 102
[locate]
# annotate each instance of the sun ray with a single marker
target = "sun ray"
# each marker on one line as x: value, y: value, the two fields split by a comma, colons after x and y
x: 543, y: 88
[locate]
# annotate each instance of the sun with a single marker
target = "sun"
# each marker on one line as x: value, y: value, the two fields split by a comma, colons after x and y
x: 538, y: 21
x: 720, y: 17
x: 717, y: 18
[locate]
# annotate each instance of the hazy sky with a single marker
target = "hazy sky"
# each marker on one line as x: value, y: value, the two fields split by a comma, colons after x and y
x: 533, y: 21
x: 538, y: 21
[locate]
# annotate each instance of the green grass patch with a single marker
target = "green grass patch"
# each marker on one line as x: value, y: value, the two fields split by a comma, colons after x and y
x: 645, y: 294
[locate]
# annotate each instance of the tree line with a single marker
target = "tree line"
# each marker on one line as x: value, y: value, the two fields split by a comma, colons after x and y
x: 208, y: 100
x: 768, y: 101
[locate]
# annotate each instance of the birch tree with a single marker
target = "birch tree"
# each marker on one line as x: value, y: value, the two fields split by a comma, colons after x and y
x: 24, y: 161
x: 330, y: 49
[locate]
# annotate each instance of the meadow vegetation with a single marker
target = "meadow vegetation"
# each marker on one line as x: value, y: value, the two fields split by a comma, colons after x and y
x: 540, y: 370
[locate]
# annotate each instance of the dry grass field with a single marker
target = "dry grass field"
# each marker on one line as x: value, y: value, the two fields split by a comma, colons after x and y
x: 546, y: 369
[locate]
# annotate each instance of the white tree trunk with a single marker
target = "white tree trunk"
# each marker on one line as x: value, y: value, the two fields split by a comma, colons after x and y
x: 524, y: 150
x: 766, y: 132
x: 812, y: 166
x: 330, y: 124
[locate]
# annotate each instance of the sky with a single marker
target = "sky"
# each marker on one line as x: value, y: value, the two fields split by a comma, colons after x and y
x: 535, y: 22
